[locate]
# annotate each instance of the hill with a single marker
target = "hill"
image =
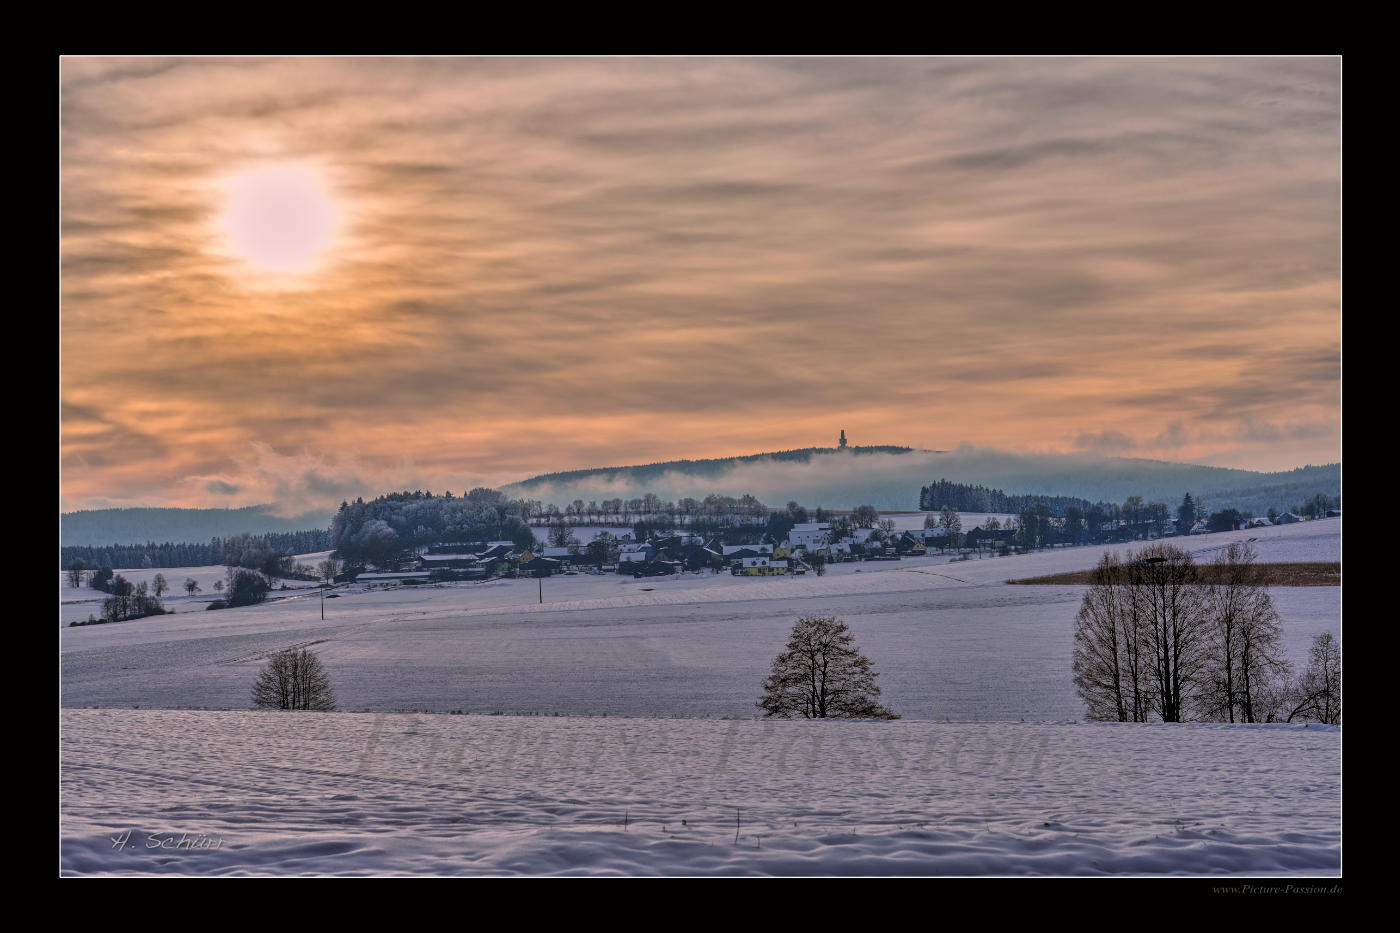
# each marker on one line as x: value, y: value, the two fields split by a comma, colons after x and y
x: 890, y: 478
x: 101, y: 527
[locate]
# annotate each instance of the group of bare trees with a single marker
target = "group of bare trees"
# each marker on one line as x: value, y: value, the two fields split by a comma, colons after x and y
x: 294, y: 679
x: 132, y: 600
x: 1156, y: 638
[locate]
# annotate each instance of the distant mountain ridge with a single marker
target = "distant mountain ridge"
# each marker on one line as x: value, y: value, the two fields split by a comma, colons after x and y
x: 887, y: 477
x: 102, y: 527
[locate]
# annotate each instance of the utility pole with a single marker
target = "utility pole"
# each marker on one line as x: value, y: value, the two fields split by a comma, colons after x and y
x: 541, y: 582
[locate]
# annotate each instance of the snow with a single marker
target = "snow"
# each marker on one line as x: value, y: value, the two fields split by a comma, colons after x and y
x: 160, y: 792
x: 643, y: 696
x: 950, y: 639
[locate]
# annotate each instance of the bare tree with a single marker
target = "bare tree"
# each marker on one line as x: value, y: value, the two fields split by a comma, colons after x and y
x: 159, y: 585
x: 1110, y: 670
x: 865, y: 516
x: 1246, y: 641
x: 950, y: 522
x: 294, y: 679
x: 1168, y: 596
x: 327, y: 569
x: 822, y: 675
x: 1318, y: 692
x: 1141, y: 637
x: 191, y: 585
x: 75, y: 573
x: 561, y: 535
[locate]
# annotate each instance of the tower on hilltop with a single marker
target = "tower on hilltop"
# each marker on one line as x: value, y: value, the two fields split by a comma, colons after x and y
x: 842, y: 445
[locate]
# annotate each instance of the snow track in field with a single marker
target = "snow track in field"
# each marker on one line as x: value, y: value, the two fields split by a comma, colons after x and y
x: 363, y: 794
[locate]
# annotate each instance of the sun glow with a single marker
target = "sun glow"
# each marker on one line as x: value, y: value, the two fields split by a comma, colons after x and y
x: 280, y: 218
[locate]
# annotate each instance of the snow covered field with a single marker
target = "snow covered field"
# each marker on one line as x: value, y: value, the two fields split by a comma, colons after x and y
x: 657, y: 753
x: 950, y: 640
x: 206, y: 793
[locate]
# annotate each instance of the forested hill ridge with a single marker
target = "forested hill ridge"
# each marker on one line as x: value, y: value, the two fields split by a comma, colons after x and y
x: 715, y: 466
x: 891, y: 477
x: 886, y: 477
x: 104, y: 527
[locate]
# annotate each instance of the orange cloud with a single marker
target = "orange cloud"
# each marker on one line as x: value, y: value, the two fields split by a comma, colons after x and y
x: 549, y: 264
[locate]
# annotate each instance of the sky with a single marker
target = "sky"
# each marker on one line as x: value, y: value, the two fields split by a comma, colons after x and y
x: 293, y: 281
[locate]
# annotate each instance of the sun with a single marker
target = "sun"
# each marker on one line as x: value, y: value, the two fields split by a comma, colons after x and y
x: 280, y: 218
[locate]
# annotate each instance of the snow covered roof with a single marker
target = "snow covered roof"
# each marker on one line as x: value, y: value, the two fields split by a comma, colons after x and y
x: 736, y: 548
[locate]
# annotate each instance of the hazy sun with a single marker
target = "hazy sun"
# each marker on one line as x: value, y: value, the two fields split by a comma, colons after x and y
x: 280, y: 218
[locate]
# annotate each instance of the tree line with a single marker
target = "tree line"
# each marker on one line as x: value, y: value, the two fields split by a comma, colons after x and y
x: 962, y: 497
x: 1152, y: 641
x: 398, y: 525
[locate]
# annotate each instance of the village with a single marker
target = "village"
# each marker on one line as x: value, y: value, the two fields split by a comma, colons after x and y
x: 808, y: 547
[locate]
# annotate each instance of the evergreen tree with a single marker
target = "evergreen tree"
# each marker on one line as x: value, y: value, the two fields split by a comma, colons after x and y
x: 1186, y: 515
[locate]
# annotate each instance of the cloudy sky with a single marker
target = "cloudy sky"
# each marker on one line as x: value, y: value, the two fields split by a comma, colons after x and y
x: 299, y: 280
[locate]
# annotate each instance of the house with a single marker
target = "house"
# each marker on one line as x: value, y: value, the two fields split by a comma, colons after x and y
x: 840, y: 551
x: 908, y: 544
x: 809, y: 534
x: 540, y: 566
x: 759, y: 567
x: 699, y: 558
x: 401, y: 576
x: 1288, y: 518
x: 567, y: 556
x: 1334, y: 513
x: 629, y: 561
x: 655, y: 568
x: 937, y: 537
x: 446, y: 561
x: 863, y: 535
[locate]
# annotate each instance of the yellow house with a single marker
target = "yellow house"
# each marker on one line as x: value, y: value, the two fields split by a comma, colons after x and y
x: 762, y: 567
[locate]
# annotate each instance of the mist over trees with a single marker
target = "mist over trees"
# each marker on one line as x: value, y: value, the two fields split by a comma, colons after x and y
x: 888, y: 479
